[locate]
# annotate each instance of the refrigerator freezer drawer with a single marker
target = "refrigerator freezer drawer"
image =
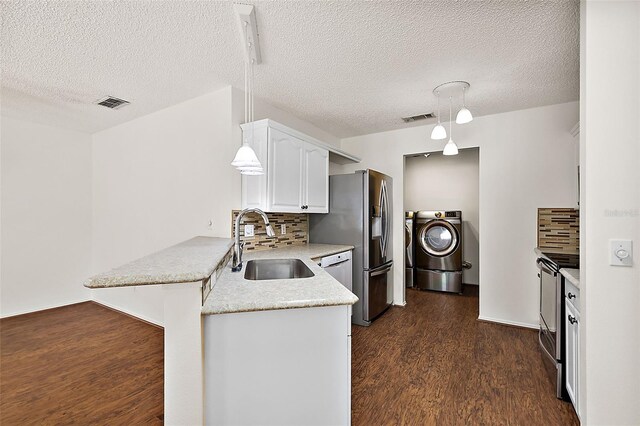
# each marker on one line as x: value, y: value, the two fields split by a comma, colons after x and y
x: 376, y: 292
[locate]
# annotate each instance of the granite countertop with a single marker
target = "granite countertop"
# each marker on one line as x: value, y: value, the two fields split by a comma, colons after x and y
x: 190, y: 261
x: 572, y: 275
x: 233, y: 293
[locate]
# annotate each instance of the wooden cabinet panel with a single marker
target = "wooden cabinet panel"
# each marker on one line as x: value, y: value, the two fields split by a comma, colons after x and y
x: 285, y: 172
x: 296, y: 178
x: 572, y: 345
x: 316, y: 179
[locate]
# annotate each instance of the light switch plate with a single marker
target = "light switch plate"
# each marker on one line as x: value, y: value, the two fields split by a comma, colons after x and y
x: 621, y: 252
x: 249, y: 231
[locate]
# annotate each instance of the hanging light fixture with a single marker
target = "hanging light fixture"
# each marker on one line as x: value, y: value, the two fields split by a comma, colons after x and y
x: 451, y: 89
x: 450, y: 148
x: 464, y: 115
x: 438, y: 131
x: 246, y: 160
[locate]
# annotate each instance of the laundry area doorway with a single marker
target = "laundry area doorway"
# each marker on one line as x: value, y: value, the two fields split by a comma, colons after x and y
x: 441, y: 200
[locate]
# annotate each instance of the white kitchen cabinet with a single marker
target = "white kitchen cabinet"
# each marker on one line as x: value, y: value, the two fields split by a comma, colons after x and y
x: 316, y: 179
x: 575, y: 133
x: 572, y: 346
x: 285, y: 172
x: 296, y: 178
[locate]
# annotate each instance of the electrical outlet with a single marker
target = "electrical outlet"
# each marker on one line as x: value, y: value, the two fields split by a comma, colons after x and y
x: 249, y: 231
x: 283, y: 229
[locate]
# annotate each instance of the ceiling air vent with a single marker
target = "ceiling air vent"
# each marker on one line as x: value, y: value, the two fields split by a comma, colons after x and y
x: 417, y: 117
x: 112, y: 102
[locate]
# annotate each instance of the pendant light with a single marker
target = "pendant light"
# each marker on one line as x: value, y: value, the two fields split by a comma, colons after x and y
x: 246, y: 160
x: 464, y: 115
x: 450, y: 148
x: 438, y: 131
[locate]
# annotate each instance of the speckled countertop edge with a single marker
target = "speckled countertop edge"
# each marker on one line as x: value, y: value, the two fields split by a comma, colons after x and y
x: 571, y: 274
x: 232, y: 293
x: 190, y: 261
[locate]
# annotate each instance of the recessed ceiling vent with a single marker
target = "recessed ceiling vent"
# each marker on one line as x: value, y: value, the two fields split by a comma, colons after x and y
x: 417, y: 117
x: 112, y: 102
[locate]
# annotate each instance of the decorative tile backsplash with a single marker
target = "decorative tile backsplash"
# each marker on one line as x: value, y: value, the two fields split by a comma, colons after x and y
x: 559, y: 230
x: 297, y: 230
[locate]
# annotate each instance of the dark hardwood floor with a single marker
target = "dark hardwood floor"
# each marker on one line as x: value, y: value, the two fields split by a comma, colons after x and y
x: 430, y: 363
x: 433, y: 363
x: 80, y: 364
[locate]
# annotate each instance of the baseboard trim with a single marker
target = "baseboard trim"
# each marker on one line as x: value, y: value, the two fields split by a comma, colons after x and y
x: 19, y: 313
x: 509, y: 323
x: 129, y: 314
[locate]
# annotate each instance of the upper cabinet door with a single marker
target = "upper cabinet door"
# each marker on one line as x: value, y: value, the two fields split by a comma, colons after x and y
x: 296, y: 171
x: 316, y: 179
x: 285, y: 172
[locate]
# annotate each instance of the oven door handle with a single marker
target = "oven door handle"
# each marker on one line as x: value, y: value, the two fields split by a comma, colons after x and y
x: 551, y: 357
x: 544, y: 266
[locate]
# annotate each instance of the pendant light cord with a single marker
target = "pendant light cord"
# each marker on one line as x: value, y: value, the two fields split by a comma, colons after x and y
x: 246, y: 81
x: 450, y: 117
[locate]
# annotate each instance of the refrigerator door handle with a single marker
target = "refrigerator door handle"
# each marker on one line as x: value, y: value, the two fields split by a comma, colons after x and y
x: 381, y: 271
x: 385, y: 217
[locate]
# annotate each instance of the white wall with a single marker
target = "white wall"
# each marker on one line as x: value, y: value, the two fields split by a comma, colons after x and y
x: 457, y: 189
x: 526, y: 162
x: 46, y: 216
x: 610, y: 208
x: 263, y: 110
x: 158, y: 180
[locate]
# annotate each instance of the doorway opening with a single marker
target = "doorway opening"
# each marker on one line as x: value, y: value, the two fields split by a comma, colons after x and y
x: 442, y: 241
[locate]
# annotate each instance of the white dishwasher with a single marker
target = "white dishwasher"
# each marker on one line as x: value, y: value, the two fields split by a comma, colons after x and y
x: 339, y: 266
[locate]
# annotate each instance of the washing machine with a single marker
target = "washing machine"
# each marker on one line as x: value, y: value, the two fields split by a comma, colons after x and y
x: 438, y: 254
x: 409, y: 248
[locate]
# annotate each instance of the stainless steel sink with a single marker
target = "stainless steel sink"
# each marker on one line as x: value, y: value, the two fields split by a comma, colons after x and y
x: 276, y: 269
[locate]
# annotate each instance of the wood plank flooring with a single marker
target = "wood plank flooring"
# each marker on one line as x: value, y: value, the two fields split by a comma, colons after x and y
x: 80, y: 364
x: 433, y: 363
x: 430, y: 363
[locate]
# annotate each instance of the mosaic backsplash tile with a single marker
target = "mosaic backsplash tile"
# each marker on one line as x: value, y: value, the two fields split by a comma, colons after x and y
x: 297, y: 227
x: 559, y: 230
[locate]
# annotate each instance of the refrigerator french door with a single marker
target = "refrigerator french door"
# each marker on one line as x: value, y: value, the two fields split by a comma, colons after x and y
x: 360, y: 215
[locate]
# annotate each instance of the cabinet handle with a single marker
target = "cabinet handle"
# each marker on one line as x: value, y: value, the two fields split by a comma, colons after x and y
x: 571, y: 296
x: 304, y: 207
x: 572, y: 319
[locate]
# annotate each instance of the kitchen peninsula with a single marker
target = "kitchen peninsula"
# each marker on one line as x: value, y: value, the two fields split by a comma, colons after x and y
x: 243, y: 338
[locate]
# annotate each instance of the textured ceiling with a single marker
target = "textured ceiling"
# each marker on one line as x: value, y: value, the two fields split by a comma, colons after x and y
x: 349, y: 67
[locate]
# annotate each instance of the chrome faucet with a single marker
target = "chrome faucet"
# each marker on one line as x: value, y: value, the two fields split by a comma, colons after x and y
x: 237, y: 248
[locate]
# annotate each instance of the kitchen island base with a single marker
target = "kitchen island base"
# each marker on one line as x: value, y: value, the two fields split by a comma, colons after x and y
x: 284, y: 367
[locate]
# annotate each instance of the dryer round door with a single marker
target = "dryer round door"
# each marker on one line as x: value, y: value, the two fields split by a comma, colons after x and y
x: 438, y: 238
x: 407, y: 235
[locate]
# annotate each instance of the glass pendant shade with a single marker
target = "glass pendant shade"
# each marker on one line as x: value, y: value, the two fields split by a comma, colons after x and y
x: 450, y: 148
x: 246, y: 161
x: 464, y: 116
x: 251, y: 171
x: 438, y: 132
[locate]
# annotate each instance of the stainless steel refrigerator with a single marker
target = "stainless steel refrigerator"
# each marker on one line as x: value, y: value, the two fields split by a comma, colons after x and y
x: 360, y: 215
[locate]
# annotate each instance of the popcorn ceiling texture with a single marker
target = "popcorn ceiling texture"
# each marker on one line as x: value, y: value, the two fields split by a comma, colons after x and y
x: 297, y: 226
x: 559, y: 230
x: 348, y: 67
